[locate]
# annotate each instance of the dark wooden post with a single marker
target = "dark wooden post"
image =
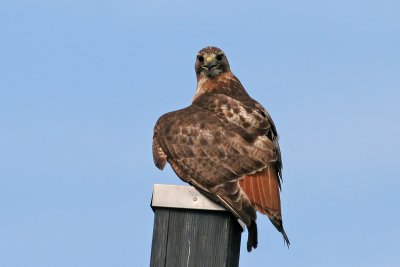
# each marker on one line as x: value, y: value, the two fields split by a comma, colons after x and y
x: 190, y: 230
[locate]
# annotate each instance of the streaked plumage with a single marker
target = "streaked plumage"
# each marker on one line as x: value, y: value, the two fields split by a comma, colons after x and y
x: 225, y: 144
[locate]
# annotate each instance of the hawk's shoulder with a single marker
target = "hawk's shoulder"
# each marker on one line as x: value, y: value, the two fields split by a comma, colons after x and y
x: 241, y: 111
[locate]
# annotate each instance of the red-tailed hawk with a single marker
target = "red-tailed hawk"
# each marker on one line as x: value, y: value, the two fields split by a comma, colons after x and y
x: 225, y: 144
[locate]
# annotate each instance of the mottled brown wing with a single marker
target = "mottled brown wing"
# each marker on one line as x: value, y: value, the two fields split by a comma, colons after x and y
x: 210, y: 154
x: 254, y: 122
x: 249, y: 116
x: 251, y: 119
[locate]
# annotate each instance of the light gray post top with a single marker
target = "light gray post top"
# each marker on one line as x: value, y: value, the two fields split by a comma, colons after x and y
x: 181, y: 197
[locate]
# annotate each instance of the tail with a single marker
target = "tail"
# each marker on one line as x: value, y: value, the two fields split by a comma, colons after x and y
x: 252, y: 239
x: 262, y: 188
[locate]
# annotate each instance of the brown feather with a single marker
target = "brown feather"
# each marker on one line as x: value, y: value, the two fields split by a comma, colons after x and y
x: 262, y: 188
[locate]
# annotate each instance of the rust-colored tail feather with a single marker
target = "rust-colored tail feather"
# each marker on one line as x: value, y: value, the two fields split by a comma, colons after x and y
x: 262, y: 188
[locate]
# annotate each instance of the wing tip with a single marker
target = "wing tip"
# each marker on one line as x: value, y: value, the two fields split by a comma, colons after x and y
x: 160, y: 164
x: 285, y: 238
x: 159, y: 157
x: 279, y: 226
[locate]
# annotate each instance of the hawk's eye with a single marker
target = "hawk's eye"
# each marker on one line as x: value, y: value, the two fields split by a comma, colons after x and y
x: 219, y: 57
x: 200, y: 58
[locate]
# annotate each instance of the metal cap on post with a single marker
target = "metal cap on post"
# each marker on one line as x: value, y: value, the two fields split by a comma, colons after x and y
x: 191, y: 230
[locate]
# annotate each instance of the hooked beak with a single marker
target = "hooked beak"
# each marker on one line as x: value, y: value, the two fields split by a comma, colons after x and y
x: 210, y: 62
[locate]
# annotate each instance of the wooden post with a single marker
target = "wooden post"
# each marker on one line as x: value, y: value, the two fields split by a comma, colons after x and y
x: 190, y: 230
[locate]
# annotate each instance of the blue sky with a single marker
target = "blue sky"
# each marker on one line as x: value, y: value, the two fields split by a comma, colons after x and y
x: 82, y: 84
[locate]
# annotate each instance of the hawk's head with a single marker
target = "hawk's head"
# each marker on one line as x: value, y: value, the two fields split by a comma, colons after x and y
x: 211, y: 62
